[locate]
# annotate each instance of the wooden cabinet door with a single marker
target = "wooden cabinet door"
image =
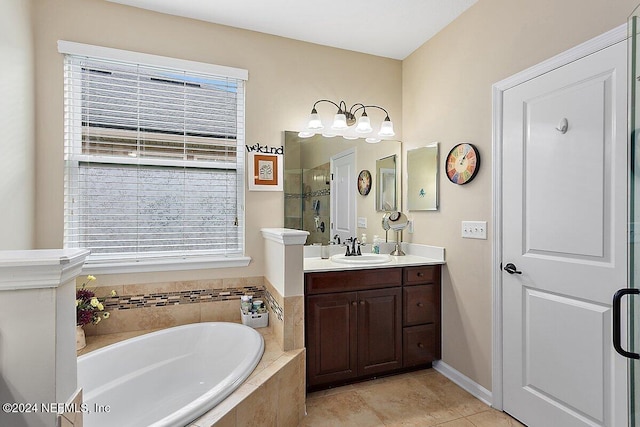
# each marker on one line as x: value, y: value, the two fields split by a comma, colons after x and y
x: 379, y: 330
x: 331, y: 337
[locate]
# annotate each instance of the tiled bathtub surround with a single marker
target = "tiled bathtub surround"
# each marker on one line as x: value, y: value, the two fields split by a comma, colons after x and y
x: 287, y: 319
x: 162, y: 305
x: 273, y: 395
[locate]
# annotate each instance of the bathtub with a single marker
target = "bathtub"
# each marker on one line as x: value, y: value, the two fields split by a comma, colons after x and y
x: 166, y: 378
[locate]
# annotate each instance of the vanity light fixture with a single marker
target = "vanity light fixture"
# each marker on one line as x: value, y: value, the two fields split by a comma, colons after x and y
x: 344, y: 121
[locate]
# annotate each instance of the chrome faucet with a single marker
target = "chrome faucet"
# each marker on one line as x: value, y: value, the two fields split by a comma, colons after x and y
x: 354, y: 244
x: 336, y: 238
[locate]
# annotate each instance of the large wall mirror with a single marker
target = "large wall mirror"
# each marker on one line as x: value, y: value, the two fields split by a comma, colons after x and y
x: 422, y: 178
x: 308, y: 186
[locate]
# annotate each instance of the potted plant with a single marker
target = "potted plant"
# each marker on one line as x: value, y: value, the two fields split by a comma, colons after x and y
x: 88, y: 310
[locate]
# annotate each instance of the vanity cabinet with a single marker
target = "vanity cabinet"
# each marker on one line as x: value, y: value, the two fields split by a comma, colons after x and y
x: 421, y: 315
x: 363, y: 323
x: 352, y: 330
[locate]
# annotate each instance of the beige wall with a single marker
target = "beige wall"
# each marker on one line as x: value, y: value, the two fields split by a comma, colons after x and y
x: 442, y: 92
x: 447, y: 98
x: 285, y: 78
x: 17, y: 173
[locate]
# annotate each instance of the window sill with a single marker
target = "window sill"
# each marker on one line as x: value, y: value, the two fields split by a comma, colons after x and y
x: 152, y: 265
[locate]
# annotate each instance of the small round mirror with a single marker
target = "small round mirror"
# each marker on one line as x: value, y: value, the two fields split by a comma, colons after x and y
x: 398, y: 221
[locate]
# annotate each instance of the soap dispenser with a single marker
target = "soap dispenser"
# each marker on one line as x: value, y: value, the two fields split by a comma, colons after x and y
x: 375, y: 248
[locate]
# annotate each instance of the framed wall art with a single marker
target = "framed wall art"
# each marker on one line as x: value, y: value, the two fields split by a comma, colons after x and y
x: 264, y: 172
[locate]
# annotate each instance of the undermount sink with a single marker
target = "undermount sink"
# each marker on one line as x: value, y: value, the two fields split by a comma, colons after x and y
x: 361, y: 259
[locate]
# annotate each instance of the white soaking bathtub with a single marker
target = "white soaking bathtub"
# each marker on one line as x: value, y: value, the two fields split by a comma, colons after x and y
x: 166, y: 378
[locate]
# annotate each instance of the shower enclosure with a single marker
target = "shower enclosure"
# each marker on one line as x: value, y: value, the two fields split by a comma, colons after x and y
x: 306, y: 195
x: 630, y: 295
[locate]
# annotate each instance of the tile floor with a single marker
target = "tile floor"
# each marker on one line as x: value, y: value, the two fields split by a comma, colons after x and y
x: 423, y: 398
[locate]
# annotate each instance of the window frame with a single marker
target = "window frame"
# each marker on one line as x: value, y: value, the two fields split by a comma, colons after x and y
x: 157, y: 261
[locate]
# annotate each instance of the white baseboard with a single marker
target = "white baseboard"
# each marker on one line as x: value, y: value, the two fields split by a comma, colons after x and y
x: 463, y: 381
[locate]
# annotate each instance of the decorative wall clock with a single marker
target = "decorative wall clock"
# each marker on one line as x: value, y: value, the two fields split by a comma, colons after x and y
x: 463, y: 163
x: 364, y: 182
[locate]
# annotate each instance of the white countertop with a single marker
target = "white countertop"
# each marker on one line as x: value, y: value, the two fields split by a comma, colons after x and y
x: 416, y: 255
x: 317, y: 264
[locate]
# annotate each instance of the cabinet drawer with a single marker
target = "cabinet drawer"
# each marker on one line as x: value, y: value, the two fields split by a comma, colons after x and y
x: 423, y: 274
x: 419, y: 345
x: 354, y: 280
x: 420, y: 305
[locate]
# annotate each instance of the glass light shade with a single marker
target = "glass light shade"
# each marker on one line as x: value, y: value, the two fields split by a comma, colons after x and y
x: 339, y: 122
x: 372, y: 140
x: 364, y: 125
x: 386, y: 129
x: 350, y: 133
x: 305, y: 134
x: 314, y: 122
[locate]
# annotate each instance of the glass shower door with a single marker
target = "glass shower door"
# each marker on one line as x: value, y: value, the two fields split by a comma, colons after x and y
x: 633, y: 311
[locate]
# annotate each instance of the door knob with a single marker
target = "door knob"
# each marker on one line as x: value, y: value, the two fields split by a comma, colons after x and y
x: 511, y: 269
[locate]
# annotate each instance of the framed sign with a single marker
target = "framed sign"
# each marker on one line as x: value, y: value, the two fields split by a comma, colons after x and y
x: 265, y: 172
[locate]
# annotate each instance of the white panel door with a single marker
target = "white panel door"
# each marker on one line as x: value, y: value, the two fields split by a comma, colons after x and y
x: 343, y: 194
x: 564, y: 221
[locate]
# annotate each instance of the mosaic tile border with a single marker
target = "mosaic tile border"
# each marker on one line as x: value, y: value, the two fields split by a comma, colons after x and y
x: 316, y: 193
x: 160, y: 299
x: 308, y: 194
x: 275, y: 307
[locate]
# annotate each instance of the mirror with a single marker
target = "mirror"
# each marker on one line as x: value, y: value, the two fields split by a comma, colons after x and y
x: 422, y: 178
x: 307, y: 183
x: 396, y: 221
x: 386, y: 184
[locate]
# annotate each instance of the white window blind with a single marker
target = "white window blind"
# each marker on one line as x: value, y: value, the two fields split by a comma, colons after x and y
x: 154, y: 161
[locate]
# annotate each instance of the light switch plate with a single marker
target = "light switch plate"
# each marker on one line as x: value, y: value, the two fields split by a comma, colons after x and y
x: 362, y: 222
x: 474, y: 230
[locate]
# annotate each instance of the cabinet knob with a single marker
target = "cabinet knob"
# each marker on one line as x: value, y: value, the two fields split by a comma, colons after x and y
x: 420, y: 274
x: 354, y: 303
x: 420, y: 345
x: 361, y: 302
x: 420, y: 304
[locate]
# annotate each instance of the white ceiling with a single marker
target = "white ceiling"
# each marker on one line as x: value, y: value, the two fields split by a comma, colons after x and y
x: 386, y: 28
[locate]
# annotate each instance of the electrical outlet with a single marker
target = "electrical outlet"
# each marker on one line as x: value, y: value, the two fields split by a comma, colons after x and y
x: 474, y: 230
x: 410, y: 227
x: 362, y: 222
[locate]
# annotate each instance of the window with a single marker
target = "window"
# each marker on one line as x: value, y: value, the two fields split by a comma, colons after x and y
x: 154, y: 160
